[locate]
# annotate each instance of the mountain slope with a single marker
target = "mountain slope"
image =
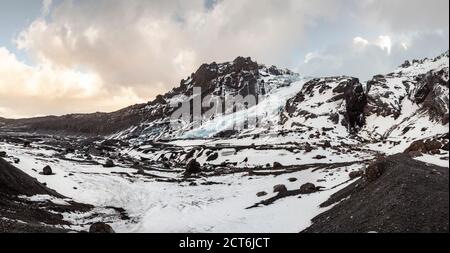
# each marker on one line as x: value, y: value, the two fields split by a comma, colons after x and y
x: 408, y: 196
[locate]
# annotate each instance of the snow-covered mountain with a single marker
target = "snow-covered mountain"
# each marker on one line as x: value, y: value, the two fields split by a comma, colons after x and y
x: 312, y: 145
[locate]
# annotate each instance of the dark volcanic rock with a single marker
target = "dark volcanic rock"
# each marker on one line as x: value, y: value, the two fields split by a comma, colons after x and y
x: 193, y: 167
x: 356, y: 102
x: 319, y: 157
x: 47, y: 170
x: 109, y: 164
x: 101, y: 228
x: 424, y: 146
x: 277, y: 165
x: 375, y: 170
x: 281, y: 188
x: 261, y: 194
x: 355, y: 174
x: 212, y: 157
x: 409, y: 196
x: 308, y: 188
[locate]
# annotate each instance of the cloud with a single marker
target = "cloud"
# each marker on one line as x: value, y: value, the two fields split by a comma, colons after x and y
x: 156, y: 43
x: 406, y: 15
x: 364, y: 58
x: 104, y: 54
x: 31, y: 90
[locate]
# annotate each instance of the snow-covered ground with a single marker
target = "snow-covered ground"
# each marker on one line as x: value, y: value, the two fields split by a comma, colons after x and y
x: 214, y: 204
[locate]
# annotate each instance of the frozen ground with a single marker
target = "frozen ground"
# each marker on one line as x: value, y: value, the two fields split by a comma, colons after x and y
x: 214, y: 204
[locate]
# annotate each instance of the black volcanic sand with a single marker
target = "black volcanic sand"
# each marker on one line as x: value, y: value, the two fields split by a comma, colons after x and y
x: 20, y: 215
x: 410, y: 196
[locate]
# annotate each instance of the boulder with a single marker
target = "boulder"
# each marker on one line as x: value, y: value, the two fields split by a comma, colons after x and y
x: 308, y: 188
x: 277, y: 165
x: 109, y: 163
x: 355, y: 174
x: 261, y: 194
x: 101, y: 228
x: 292, y: 179
x: 193, y: 167
x: 281, y: 188
x: 2, y: 154
x: 212, y: 157
x: 47, y: 170
x: 375, y: 170
x: 308, y: 148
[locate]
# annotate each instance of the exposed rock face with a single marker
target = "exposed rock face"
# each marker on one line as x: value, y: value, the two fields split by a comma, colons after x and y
x: 430, y: 93
x: 356, y: 101
x: 409, y: 196
x: 348, y: 101
x: 430, y: 145
x: 424, y: 82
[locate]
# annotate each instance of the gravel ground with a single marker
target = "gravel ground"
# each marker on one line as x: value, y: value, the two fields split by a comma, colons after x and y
x: 409, y: 197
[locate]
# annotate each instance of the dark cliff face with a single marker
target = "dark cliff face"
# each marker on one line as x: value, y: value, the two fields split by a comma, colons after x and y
x: 356, y: 101
x: 430, y: 94
x: 241, y: 76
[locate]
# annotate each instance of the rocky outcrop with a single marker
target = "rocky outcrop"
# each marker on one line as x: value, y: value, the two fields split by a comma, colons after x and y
x: 348, y: 100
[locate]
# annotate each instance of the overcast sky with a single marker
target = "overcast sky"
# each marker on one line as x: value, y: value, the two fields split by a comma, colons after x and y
x: 65, y: 56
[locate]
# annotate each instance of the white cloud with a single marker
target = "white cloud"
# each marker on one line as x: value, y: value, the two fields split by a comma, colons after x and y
x: 385, y: 43
x: 88, y: 51
x: 54, y: 89
x: 360, y: 42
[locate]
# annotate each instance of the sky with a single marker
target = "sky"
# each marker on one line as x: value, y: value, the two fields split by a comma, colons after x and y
x: 82, y: 56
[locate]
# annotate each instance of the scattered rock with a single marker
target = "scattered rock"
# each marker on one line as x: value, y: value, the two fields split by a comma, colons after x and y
x: 327, y: 144
x: 109, y: 163
x: 308, y: 148
x: 193, y: 167
x: 308, y: 188
x: 212, y: 157
x: 140, y: 171
x: 375, y: 170
x: 355, y: 174
x: 101, y: 228
x: 47, y: 171
x: 281, y: 188
x: 261, y: 194
x: 277, y: 165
